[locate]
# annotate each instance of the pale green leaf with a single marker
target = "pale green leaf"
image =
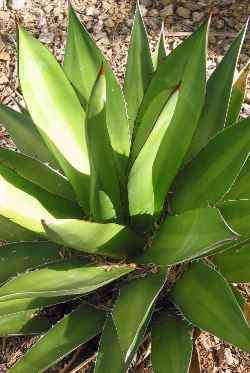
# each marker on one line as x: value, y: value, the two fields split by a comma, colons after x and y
x: 160, y: 50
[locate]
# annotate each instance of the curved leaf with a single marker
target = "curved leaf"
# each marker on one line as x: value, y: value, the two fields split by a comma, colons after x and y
x: 73, y: 330
x: 108, y: 239
x: 139, y: 67
x: 149, y: 198
x: 10, y: 231
x: 218, y: 92
x: 38, y: 173
x: 234, y: 263
x: 237, y: 215
x: 132, y: 307
x: 171, y: 345
x: 105, y: 193
x: 23, y: 323
x: 20, y: 256
x: 208, y: 177
x: 240, y: 189
x: 26, y: 204
x: 187, y: 236
x: 238, y: 95
x: 63, y: 131
x: 213, y: 306
x: 82, y: 62
x: 58, y: 279
x: 26, y: 137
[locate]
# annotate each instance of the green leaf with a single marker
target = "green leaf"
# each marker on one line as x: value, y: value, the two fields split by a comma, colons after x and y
x: 187, y: 236
x: 10, y: 231
x: 23, y: 323
x: 105, y: 193
x: 160, y: 50
x: 63, y: 131
x: 20, y: 256
x: 171, y: 345
x: 109, y: 239
x: 164, y: 82
x: 207, y: 178
x: 8, y: 307
x: 82, y: 62
x: 237, y: 214
x: 132, y: 307
x: 109, y: 358
x: 218, y: 92
x: 162, y: 155
x: 26, y: 204
x: 207, y: 301
x: 59, y: 279
x: 234, y: 263
x: 26, y: 137
x: 73, y: 330
x: 139, y: 67
x: 238, y: 95
x: 38, y: 173
x: 240, y: 189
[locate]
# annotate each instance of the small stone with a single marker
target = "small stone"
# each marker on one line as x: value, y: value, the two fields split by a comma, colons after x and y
x: 1, y: 6
x: 16, y: 4
x: 183, y: 12
x: 109, y: 23
x: 168, y: 10
x: 197, y: 17
x: 143, y: 10
x: 219, y: 24
x: 147, y: 3
x: 91, y: 11
x: 153, y: 13
x: 46, y: 37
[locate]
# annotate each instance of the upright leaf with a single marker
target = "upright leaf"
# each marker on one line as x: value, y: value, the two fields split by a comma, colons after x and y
x: 238, y: 95
x: 234, y: 263
x: 25, y: 135
x: 20, y: 256
x: 187, y: 236
x: 163, y: 157
x: 218, y: 92
x: 63, y: 131
x: 132, y: 308
x: 82, y: 62
x: 139, y: 67
x: 213, y: 306
x: 171, y: 345
x: 237, y: 214
x: 73, y: 330
x: 108, y: 239
x: 208, y: 177
x: 59, y: 279
x: 23, y: 323
x: 160, y: 50
x: 38, y: 173
x: 164, y: 82
x: 26, y: 204
x: 240, y: 189
x: 105, y: 192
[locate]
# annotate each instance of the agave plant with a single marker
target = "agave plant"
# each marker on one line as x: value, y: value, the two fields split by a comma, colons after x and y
x: 145, y: 187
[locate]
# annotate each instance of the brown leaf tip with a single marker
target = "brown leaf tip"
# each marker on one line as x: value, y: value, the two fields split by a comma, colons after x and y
x: 102, y: 71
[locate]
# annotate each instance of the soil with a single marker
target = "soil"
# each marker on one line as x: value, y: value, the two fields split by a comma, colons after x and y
x: 110, y: 21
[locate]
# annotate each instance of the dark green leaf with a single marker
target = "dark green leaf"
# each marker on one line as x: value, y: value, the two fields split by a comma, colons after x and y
x: 240, y: 189
x: 73, y: 330
x: 59, y: 279
x: 38, y: 173
x: 207, y: 301
x: 10, y: 231
x: 187, y: 236
x: 95, y: 238
x: 237, y: 215
x: 23, y: 323
x: 218, y: 93
x: 160, y: 51
x: 163, y: 157
x: 25, y: 135
x: 234, y: 263
x: 207, y: 178
x: 171, y: 345
x: 20, y: 256
x: 139, y: 67
x: 56, y: 111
